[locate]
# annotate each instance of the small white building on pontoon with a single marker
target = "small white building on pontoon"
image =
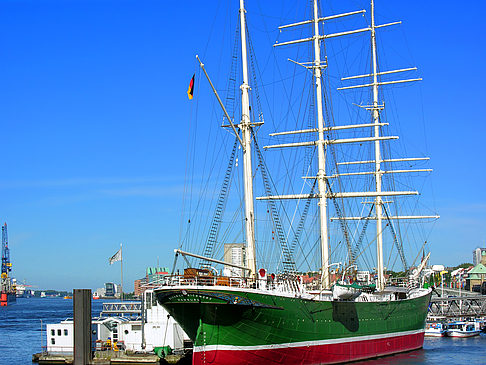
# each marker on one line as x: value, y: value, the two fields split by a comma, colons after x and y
x: 158, y: 329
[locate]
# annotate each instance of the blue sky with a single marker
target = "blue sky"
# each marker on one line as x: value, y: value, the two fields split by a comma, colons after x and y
x: 94, y: 114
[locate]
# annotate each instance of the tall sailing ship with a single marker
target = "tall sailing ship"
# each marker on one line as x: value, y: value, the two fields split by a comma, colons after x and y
x: 249, y: 316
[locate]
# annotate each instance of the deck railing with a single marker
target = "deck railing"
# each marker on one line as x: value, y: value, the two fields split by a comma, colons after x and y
x: 292, y: 284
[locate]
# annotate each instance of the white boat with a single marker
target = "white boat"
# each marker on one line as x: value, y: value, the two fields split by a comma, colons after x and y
x: 436, y: 329
x: 463, y: 329
x: 481, y: 322
x: 343, y: 291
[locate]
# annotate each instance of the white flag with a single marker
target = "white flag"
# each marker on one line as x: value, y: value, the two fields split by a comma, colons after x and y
x: 116, y: 257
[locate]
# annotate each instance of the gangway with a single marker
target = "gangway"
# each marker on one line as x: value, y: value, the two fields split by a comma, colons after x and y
x: 122, y: 309
x: 458, y: 307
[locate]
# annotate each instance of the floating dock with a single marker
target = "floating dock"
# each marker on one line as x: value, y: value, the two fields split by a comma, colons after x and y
x: 115, y: 358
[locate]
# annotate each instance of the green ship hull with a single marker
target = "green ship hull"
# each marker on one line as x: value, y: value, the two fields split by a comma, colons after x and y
x: 250, y: 326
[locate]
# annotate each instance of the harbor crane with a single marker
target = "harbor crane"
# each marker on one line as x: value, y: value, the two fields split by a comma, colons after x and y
x: 6, y: 264
x: 8, y: 290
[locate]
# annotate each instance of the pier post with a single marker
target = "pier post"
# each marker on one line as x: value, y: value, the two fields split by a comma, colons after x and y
x: 82, y: 326
x: 142, y: 320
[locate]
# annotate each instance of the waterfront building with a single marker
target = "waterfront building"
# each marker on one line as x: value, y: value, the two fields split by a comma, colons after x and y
x: 234, y: 253
x: 479, y: 256
x: 153, y: 275
x: 476, y: 277
x: 156, y: 274
x: 100, y: 292
x: 110, y: 289
x: 139, y: 286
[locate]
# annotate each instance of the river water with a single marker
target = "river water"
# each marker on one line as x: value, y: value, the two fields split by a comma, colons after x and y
x: 21, y: 336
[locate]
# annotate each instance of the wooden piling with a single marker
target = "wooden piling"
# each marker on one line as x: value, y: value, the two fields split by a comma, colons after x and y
x: 82, y: 326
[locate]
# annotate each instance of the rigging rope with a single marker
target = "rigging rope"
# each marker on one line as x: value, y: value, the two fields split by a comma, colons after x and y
x: 222, y: 199
x: 300, y: 226
x: 362, y: 234
x: 395, y: 240
x: 224, y: 191
x: 288, y: 261
x: 253, y: 73
x: 231, y: 93
x: 342, y: 223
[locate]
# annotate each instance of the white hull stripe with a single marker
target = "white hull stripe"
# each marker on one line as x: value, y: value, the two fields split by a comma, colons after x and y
x: 305, y: 343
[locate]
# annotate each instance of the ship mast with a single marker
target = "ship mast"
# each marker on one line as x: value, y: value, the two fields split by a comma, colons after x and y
x: 316, y: 66
x: 321, y: 174
x: 378, y: 174
x: 375, y: 109
x: 245, y: 127
x: 322, y: 143
x: 245, y: 140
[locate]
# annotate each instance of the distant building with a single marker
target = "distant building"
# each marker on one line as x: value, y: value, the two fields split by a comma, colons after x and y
x: 110, y: 289
x: 100, y: 292
x: 138, y: 287
x: 156, y: 274
x: 479, y: 256
x: 234, y: 253
x: 476, y: 277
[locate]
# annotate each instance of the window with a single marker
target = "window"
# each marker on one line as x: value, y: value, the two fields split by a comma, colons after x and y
x: 136, y: 327
x: 65, y: 332
x: 237, y: 259
x: 53, y: 340
x: 148, y: 299
x: 59, y: 332
x: 53, y: 332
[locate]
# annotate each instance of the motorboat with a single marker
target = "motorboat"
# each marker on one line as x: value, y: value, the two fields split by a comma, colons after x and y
x: 436, y: 329
x: 463, y: 329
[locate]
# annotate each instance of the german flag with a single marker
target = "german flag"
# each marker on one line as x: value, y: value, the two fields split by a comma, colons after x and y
x: 190, y: 91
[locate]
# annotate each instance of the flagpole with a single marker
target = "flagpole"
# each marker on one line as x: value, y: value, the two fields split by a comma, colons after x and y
x: 121, y: 269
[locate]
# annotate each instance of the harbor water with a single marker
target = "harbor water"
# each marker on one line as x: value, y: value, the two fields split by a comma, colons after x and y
x: 20, y: 326
x: 21, y: 336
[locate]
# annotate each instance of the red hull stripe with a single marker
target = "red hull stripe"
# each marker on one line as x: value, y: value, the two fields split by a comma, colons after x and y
x: 307, y: 343
x: 314, y: 352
